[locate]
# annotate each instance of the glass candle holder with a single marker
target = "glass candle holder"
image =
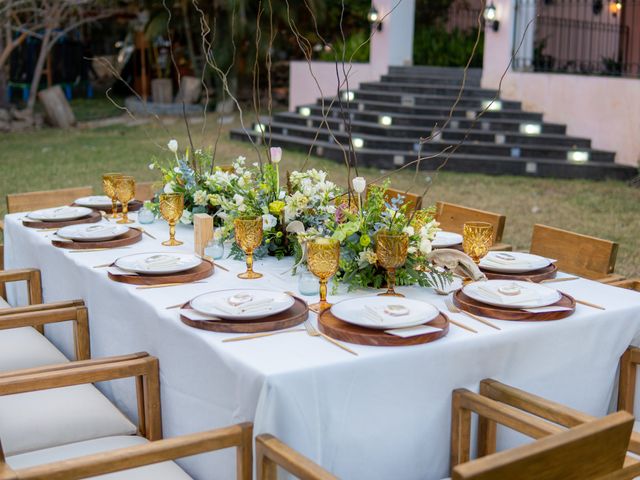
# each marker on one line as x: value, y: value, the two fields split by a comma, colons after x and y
x: 146, y: 216
x: 215, y: 247
x: 308, y: 284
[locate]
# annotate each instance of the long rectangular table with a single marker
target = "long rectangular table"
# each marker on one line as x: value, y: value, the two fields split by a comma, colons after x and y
x: 383, y: 414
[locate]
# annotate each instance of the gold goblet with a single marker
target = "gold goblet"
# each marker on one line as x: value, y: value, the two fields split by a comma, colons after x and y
x: 477, y: 238
x: 391, y: 251
x: 125, y: 187
x: 171, y: 207
x: 248, y: 233
x: 109, y: 187
x: 323, y: 260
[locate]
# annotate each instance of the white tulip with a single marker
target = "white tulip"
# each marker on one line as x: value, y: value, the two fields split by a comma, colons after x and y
x: 168, y: 188
x: 152, y: 166
x: 276, y: 154
x: 173, y: 145
x: 268, y: 222
x: 239, y: 199
x: 359, y: 184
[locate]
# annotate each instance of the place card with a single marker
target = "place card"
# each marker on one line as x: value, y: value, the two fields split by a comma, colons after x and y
x: 196, y: 316
x: 412, y: 331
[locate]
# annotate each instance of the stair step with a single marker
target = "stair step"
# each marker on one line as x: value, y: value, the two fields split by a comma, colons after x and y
x: 430, y: 80
x: 454, y: 72
x: 389, y: 160
x: 430, y: 100
x: 431, y: 90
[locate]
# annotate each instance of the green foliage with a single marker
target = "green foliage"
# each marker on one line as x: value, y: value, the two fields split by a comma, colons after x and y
x: 355, y: 49
x: 434, y: 45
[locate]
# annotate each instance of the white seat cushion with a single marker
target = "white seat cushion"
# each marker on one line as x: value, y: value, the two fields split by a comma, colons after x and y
x: 26, y: 348
x: 4, y: 303
x: 48, y: 418
x: 159, y: 471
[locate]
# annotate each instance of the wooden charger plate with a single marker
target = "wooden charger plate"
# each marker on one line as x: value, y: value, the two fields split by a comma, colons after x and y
x: 93, y: 217
x: 134, y: 206
x: 545, y: 273
x: 468, y: 304
x: 291, y: 317
x: 347, y: 332
x: 129, y: 238
x: 204, y: 270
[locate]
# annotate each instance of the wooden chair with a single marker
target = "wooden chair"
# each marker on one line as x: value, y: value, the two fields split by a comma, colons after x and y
x: 413, y: 201
x: 575, y: 253
x: 271, y: 453
x: 627, y: 379
x: 145, y: 191
x: 551, y: 414
x: 117, y: 453
x: 630, y: 284
x: 29, y: 275
x: 452, y: 218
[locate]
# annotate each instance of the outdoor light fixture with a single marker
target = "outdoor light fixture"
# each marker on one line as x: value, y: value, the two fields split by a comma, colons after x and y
x: 374, y: 18
x: 492, y: 105
x: 348, y: 96
x: 578, y: 156
x: 260, y: 128
x: 385, y: 120
x: 358, y: 143
x: 615, y: 7
x: 304, y: 111
x: 530, y: 128
x: 491, y: 17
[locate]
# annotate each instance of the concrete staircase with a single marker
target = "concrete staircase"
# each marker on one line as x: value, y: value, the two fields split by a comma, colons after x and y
x: 389, y: 116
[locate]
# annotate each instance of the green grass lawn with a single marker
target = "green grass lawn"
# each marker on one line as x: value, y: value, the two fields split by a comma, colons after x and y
x: 51, y: 158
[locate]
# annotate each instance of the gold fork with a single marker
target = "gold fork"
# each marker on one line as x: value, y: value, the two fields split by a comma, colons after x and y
x: 312, y: 332
x: 453, y: 309
x: 144, y: 232
x: 260, y: 335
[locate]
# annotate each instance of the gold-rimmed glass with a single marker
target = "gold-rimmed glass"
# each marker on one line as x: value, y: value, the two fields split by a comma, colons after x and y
x: 248, y: 232
x: 477, y: 238
x: 391, y: 252
x: 171, y: 208
x: 323, y: 260
x: 109, y: 187
x: 125, y: 187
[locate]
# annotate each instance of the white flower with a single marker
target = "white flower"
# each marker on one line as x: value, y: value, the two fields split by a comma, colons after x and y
x: 200, y: 198
x: 425, y: 246
x: 276, y: 154
x: 176, y: 169
x: 429, y: 230
x: 367, y: 257
x: 268, y: 222
x: 242, y: 208
x: 152, y: 166
x: 187, y: 217
x: 359, y: 184
x: 168, y: 188
x: 409, y: 230
x: 239, y: 199
x: 173, y: 145
x: 411, y: 250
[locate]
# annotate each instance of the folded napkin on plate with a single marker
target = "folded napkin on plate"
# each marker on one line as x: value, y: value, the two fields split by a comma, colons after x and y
x: 256, y: 305
x: 377, y: 314
x: 197, y: 316
x: 525, y: 296
x: 412, y: 331
x: 501, y: 262
x: 160, y: 261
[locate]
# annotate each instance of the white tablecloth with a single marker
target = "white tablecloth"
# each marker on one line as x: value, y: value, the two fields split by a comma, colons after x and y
x: 383, y: 414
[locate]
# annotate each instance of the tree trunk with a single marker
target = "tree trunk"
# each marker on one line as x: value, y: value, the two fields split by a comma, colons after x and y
x: 37, y: 72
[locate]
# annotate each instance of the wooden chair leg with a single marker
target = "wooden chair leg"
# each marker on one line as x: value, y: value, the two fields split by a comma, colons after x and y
x: 153, y: 413
x: 627, y: 381
x: 486, y: 433
x: 81, y: 335
x: 460, y: 431
x: 244, y: 454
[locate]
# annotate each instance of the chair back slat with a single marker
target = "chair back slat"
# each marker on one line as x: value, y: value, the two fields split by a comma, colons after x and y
x: 413, y: 201
x: 26, y: 202
x: 575, y: 253
x: 452, y: 218
x: 588, y: 451
x: 145, y: 191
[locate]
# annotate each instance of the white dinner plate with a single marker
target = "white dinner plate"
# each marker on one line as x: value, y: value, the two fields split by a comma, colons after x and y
x: 60, y: 213
x: 513, y: 262
x: 158, y: 263
x: 531, y: 295
x: 101, y: 202
x: 217, y: 303
x: 446, y: 239
x: 353, y: 311
x: 92, y: 232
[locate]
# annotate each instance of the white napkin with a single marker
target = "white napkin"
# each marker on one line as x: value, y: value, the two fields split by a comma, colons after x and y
x: 159, y: 262
x: 117, y: 271
x: 252, y: 306
x: 412, y: 331
x: 377, y: 314
x: 517, y: 262
x: 525, y: 296
x: 197, y: 316
x: 58, y: 238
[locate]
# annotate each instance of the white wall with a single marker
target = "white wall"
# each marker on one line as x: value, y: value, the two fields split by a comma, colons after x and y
x: 604, y: 109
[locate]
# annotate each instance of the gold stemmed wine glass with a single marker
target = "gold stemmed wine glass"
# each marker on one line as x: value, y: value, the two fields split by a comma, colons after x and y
x: 477, y: 238
x: 109, y: 187
x: 248, y: 233
x: 171, y: 208
x: 125, y: 187
x: 391, y: 251
x: 323, y: 260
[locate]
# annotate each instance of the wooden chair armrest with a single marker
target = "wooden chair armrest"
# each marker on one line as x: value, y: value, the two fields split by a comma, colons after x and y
x: 39, y: 307
x: 271, y: 453
x: 238, y: 436
x: 30, y: 275
x: 141, y: 366
x: 629, y: 283
x: 37, y: 318
x: 614, y: 277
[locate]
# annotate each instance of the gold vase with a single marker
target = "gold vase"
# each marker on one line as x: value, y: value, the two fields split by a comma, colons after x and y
x: 391, y: 251
x: 125, y: 188
x: 477, y: 238
x: 171, y: 208
x: 323, y: 260
x: 248, y: 233
x: 109, y: 187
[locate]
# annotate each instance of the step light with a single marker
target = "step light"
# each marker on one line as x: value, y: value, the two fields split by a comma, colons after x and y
x: 578, y: 156
x: 358, y: 143
x: 530, y: 128
x: 385, y: 120
x: 348, y: 96
x: 304, y: 111
x: 260, y: 128
x: 492, y: 105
